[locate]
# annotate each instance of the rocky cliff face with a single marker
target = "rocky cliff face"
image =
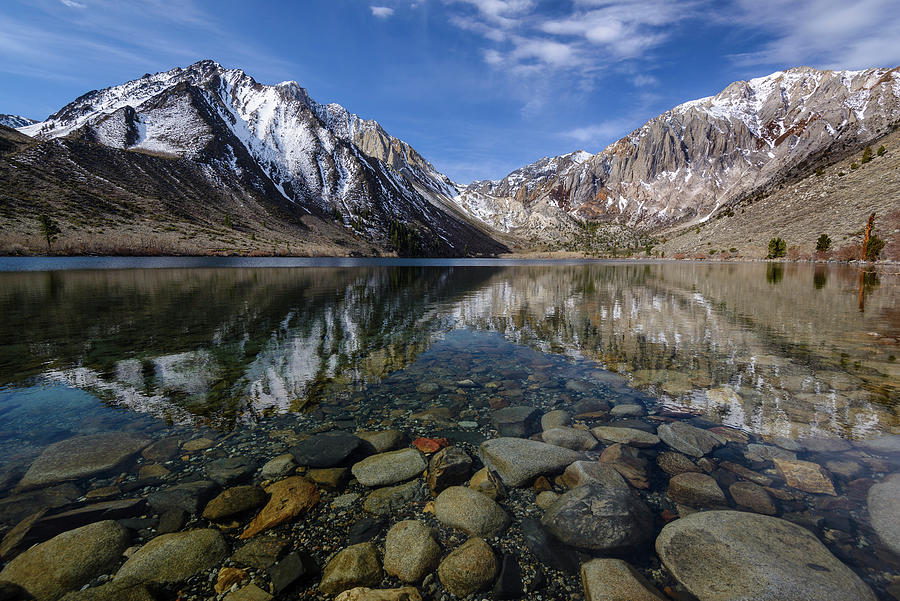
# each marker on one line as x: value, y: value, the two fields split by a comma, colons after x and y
x: 322, y: 159
x: 701, y: 155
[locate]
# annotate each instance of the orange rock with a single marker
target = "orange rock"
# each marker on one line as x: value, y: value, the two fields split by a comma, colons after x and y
x: 290, y: 497
x: 805, y: 475
x: 228, y: 577
x: 542, y: 484
x: 430, y: 445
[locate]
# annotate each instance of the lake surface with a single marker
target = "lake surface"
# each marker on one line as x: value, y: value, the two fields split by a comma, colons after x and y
x: 777, y: 350
x: 223, y: 346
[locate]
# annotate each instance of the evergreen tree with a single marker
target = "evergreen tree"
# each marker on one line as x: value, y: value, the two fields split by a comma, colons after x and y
x: 49, y: 229
x: 823, y: 243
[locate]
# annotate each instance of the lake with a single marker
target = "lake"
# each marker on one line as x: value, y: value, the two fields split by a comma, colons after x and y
x: 253, y: 351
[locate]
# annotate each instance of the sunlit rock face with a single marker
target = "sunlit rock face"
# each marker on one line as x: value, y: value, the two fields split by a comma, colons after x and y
x: 783, y: 352
x: 701, y: 155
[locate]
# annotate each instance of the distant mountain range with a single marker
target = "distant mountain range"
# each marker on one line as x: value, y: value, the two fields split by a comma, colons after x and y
x: 325, y: 169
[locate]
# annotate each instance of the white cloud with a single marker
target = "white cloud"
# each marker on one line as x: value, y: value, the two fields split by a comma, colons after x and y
x: 382, y: 12
x: 821, y: 33
x: 589, y: 36
x: 600, y: 133
x: 73, y: 4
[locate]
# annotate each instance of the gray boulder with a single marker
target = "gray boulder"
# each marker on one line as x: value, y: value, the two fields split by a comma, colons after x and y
x: 570, y: 438
x: 595, y: 517
x: 174, y: 557
x: 615, y: 580
x: 82, y: 456
x: 470, y: 511
x: 68, y: 561
x: 518, y: 461
x: 882, y: 503
x: 410, y: 551
x: 732, y: 556
x: 357, y: 565
x: 389, y: 468
x: 519, y: 421
x: 688, y: 439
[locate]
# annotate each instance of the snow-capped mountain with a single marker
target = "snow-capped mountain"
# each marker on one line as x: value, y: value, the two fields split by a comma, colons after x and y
x: 321, y: 158
x: 684, y: 164
x: 15, y: 121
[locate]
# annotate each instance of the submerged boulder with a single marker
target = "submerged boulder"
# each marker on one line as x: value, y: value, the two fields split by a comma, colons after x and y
x: 82, y: 456
x: 732, y: 555
x: 599, y: 517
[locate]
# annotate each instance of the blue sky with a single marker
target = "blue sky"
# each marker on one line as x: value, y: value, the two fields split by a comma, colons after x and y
x: 479, y: 87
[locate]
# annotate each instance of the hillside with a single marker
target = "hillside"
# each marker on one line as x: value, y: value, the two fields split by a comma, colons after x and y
x: 834, y: 199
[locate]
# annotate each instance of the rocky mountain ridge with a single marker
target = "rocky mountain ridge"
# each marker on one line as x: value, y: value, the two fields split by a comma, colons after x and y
x: 678, y: 170
x: 278, y: 141
x: 683, y: 165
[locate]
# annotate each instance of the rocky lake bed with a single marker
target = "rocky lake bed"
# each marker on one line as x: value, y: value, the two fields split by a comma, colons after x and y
x: 574, y: 496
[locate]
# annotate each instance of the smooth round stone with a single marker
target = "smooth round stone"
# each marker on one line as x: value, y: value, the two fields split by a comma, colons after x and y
x: 82, y: 456
x: 389, y: 468
x: 470, y: 511
x: 555, y: 419
x: 629, y: 410
x: 388, y: 500
x: 175, y: 557
x: 570, y: 438
x: 615, y: 580
x: 235, y: 500
x: 68, y: 561
x: 546, y: 499
x: 675, y: 463
x: 357, y: 565
x: 753, y: 497
x: 696, y: 490
x: 468, y: 425
x: 627, y: 436
x: 600, y: 518
x: 882, y: 502
x: 410, y: 551
x: 737, y: 556
x: 468, y: 569
x: 230, y: 470
x: 279, y: 467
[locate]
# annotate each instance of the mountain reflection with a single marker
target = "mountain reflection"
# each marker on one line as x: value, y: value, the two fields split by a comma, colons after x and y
x: 225, y: 345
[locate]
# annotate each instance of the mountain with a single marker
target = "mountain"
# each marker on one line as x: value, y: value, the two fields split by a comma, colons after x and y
x: 683, y: 165
x: 318, y: 160
x: 15, y: 121
x: 253, y: 168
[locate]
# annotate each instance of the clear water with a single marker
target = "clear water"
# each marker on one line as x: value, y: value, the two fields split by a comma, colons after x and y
x: 776, y: 350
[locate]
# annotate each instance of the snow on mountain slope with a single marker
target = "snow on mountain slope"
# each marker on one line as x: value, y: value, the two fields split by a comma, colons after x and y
x: 321, y: 158
x: 686, y: 163
x: 15, y: 121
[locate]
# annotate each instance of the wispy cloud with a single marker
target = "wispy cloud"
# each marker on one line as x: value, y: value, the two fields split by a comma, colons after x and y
x: 382, y: 12
x: 600, y: 133
x: 820, y: 33
x: 73, y: 4
x: 590, y: 35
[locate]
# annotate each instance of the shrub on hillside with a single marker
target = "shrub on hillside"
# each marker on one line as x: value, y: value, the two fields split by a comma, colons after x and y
x: 823, y: 243
x: 866, y: 155
x: 881, y: 150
